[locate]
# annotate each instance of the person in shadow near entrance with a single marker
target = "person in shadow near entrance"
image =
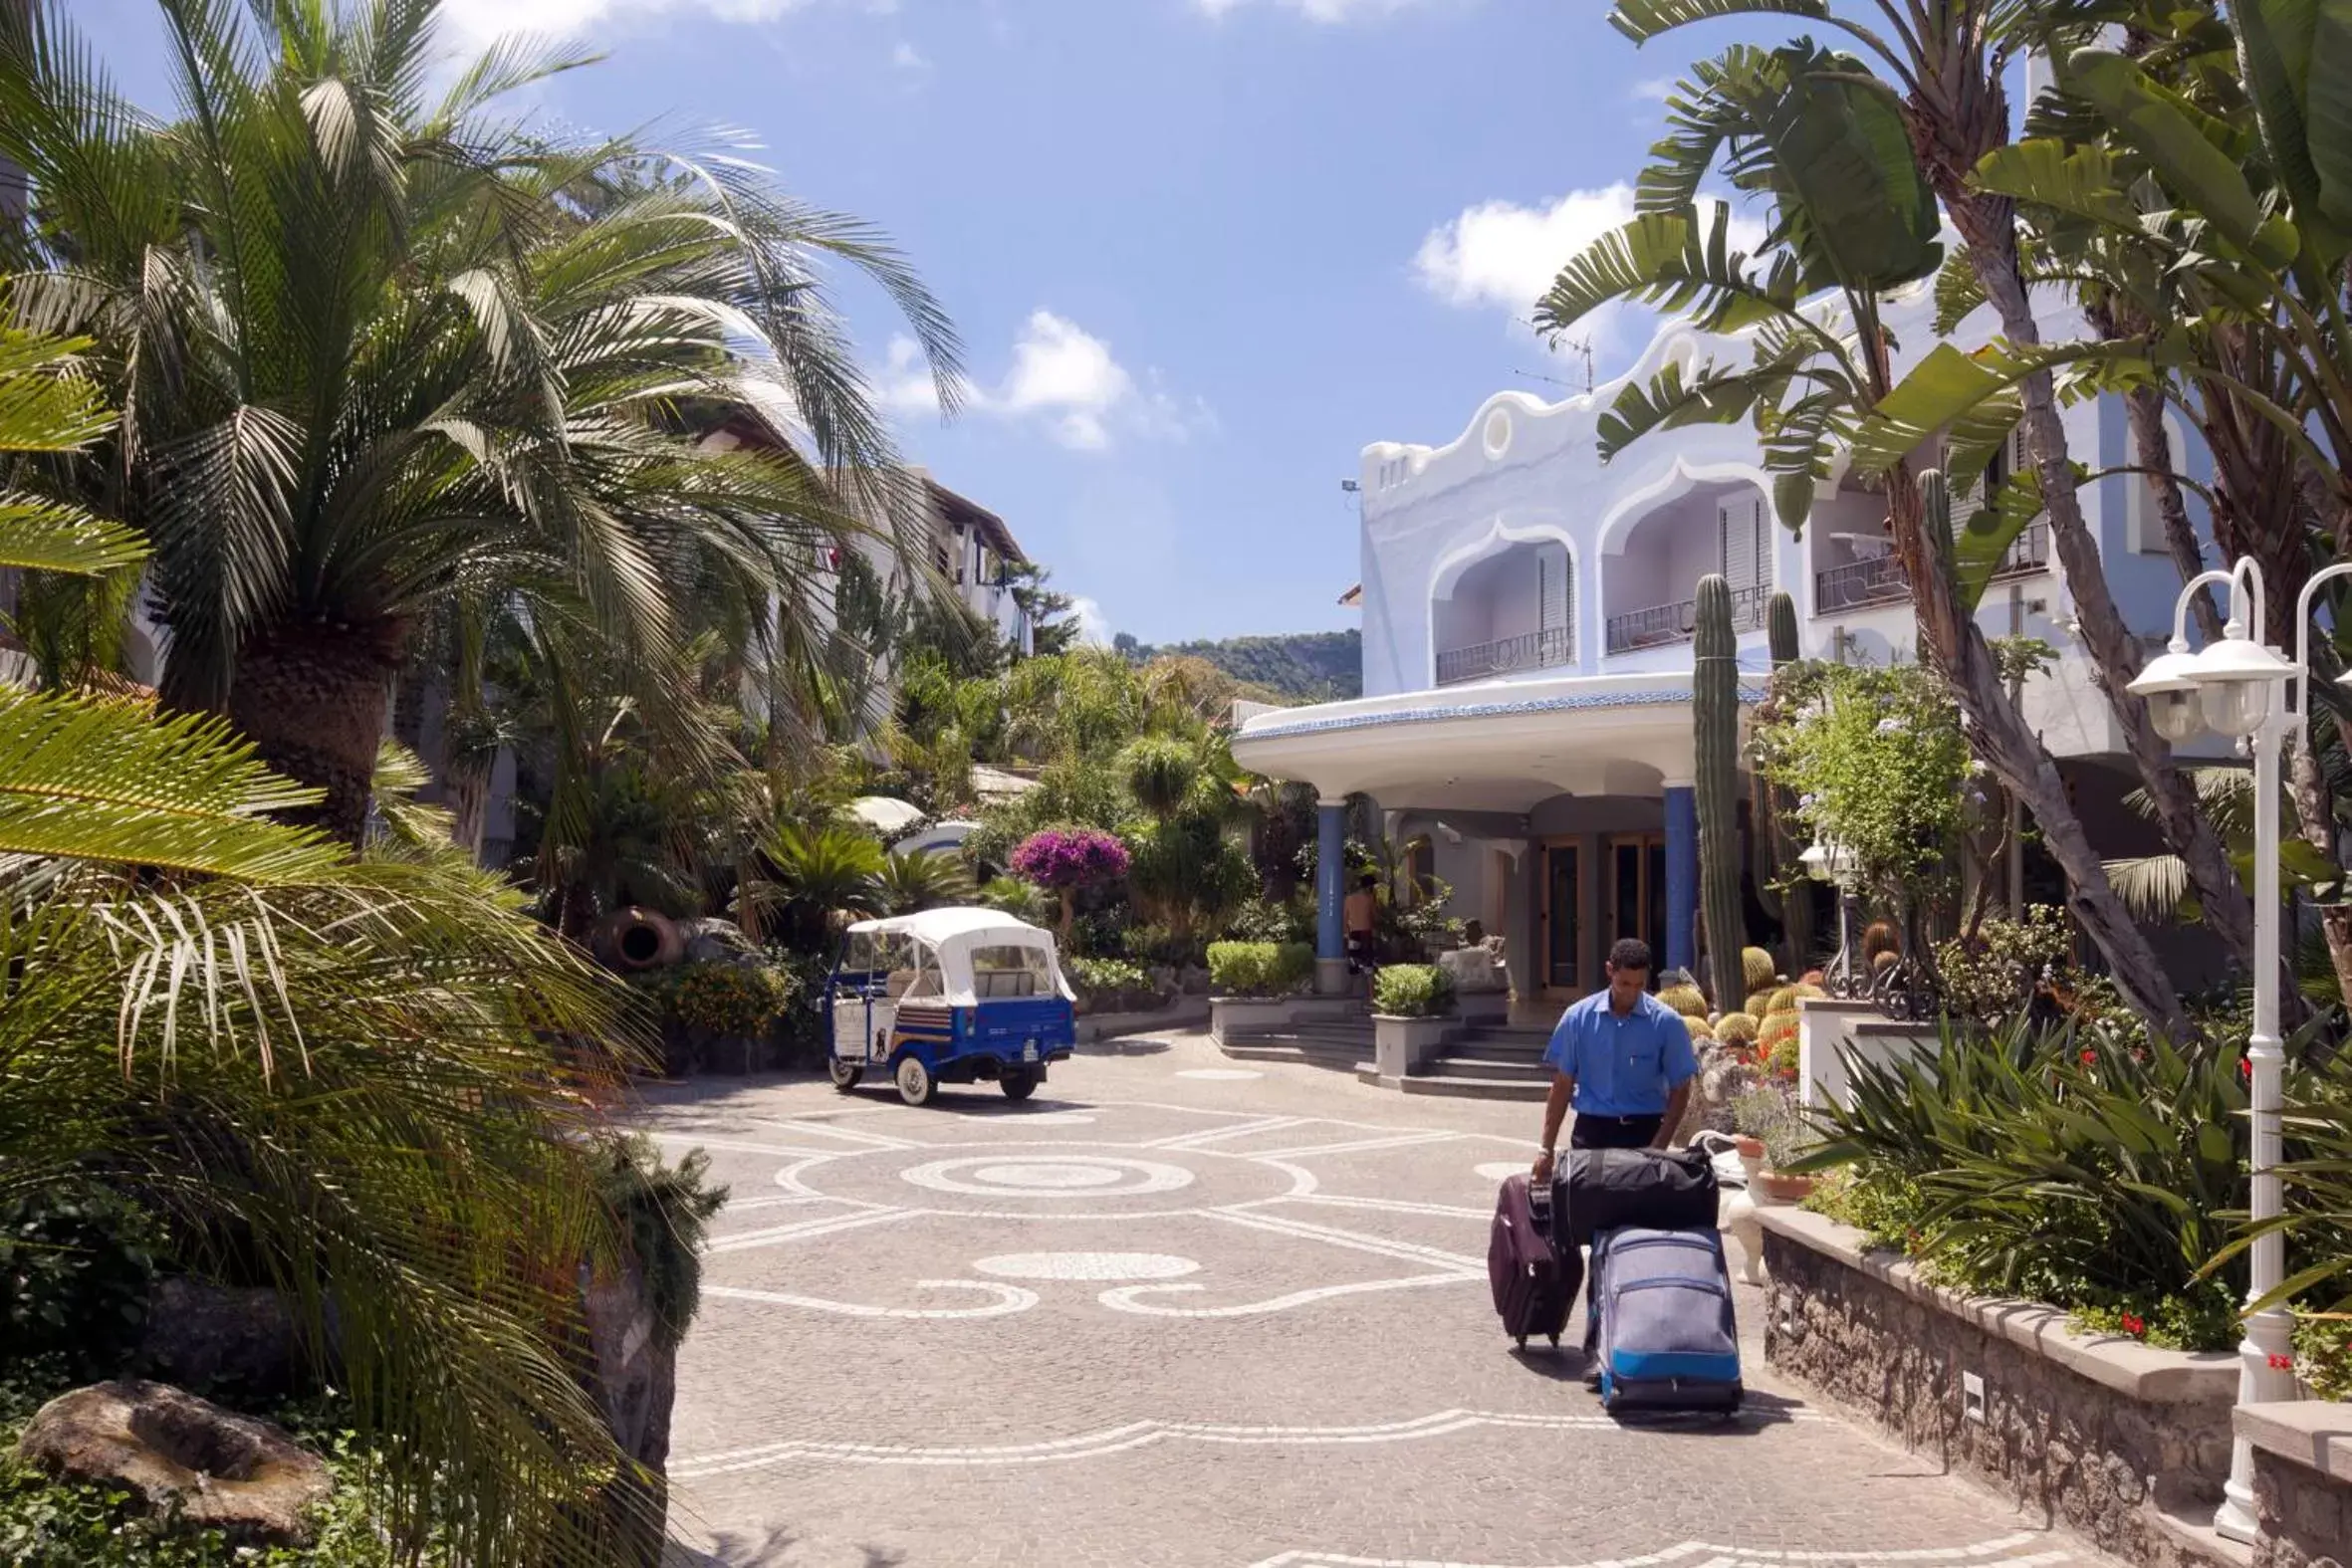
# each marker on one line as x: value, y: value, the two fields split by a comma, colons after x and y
x: 1623, y: 1059
x: 1361, y: 915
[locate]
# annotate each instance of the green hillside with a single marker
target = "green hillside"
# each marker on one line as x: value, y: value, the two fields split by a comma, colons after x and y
x: 1306, y: 666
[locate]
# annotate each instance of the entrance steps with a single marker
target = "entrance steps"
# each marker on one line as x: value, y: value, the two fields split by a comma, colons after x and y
x: 1492, y: 1062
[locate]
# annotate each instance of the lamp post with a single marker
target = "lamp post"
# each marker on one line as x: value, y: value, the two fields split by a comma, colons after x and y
x: 1828, y: 860
x: 2229, y: 686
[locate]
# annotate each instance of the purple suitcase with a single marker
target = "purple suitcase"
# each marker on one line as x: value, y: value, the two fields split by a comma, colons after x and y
x: 1533, y: 1283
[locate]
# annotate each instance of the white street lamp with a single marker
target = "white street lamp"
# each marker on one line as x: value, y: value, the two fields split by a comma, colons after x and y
x: 1829, y: 861
x: 2237, y: 686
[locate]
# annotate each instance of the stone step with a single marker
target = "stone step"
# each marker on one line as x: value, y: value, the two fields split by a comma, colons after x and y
x: 1500, y: 1049
x: 1479, y: 1065
x: 1334, y: 1059
x: 1476, y: 1088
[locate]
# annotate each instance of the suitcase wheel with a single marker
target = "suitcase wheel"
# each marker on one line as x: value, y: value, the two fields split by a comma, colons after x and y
x: 1556, y: 1342
x: 1522, y: 1342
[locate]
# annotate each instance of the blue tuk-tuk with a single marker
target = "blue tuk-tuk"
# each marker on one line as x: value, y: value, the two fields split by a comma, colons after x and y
x: 948, y: 995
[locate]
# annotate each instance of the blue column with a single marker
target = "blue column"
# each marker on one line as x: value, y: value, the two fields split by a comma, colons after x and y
x: 1682, y: 877
x: 1330, y: 880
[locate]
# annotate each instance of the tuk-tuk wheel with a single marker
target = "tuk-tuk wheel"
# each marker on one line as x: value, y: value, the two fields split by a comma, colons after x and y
x: 1018, y: 1084
x: 846, y: 1074
x: 915, y: 1083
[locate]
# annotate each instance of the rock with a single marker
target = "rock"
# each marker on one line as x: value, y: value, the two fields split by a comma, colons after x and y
x: 222, y: 1470
x: 714, y: 941
x: 213, y: 1335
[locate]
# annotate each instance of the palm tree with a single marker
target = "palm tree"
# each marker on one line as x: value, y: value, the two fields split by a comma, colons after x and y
x: 817, y: 874
x: 1852, y: 217
x: 332, y: 1071
x: 922, y: 879
x: 375, y: 351
x: 1949, y: 101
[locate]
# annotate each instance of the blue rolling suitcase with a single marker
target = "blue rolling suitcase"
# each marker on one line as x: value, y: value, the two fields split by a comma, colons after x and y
x: 1660, y: 1327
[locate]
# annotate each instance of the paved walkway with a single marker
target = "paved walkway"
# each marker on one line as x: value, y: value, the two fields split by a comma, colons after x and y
x: 1177, y: 1312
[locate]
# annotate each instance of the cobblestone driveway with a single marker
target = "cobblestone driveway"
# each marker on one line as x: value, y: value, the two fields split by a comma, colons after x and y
x: 1172, y: 1313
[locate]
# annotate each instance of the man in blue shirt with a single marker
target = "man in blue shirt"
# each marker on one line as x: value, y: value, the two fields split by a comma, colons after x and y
x: 1624, y: 1060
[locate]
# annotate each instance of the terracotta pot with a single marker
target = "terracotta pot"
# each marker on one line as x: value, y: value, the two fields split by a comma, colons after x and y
x: 1783, y: 1189
x: 1750, y: 1149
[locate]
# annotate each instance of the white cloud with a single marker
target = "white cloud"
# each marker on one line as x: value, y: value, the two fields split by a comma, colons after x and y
x: 905, y: 385
x: 1067, y: 376
x: 1501, y: 253
x: 1659, y: 87
x: 477, y: 22
x: 1062, y: 380
x: 1094, y: 625
x: 908, y: 57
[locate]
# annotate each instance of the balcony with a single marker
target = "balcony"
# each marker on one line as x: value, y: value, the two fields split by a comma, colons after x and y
x: 1662, y: 625
x: 1863, y: 585
x: 1536, y: 650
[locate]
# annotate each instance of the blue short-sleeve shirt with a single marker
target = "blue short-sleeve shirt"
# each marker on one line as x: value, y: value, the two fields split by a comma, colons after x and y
x: 1623, y: 1065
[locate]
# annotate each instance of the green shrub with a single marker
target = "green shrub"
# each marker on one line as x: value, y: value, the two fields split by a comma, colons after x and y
x: 2070, y: 1166
x: 734, y: 1000
x: 1260, y: 968
x: 1260, y: 920
x: 1110, y: 985
x: 77, y: 1259
x: 1412, y: 990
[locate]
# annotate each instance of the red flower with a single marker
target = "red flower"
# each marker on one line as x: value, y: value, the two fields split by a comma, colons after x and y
x: 2282, y: 1363
x: 2090, y: 1057
x: 2135, y: 1326
x: 2245, y: 1068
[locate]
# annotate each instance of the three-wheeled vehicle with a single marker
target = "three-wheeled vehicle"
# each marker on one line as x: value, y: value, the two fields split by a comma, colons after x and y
x: 948, y: 995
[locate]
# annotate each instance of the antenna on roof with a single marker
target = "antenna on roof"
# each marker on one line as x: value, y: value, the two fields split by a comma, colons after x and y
x: 1583, y: 346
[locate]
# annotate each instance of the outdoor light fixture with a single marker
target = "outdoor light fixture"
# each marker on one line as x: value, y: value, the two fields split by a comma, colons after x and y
x: 2170, y: 694
x: 2235, y: 677
x: 2229, y: 686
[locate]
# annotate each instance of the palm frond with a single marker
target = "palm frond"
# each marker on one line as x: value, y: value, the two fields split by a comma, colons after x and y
x: 104, y: 780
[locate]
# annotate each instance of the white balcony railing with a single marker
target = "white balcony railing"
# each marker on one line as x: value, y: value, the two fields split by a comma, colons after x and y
x: 1535, y: 651
x: 1662, y: 625
x: 1863, y: 583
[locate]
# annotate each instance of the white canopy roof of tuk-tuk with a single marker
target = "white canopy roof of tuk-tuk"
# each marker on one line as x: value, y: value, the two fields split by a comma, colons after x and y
x: 954, y: 933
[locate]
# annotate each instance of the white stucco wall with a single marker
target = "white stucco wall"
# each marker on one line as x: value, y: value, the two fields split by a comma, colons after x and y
x: 1640, y: 531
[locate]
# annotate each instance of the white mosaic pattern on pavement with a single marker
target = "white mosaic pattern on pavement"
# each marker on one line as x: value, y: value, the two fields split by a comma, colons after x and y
x: 1137, y: 1323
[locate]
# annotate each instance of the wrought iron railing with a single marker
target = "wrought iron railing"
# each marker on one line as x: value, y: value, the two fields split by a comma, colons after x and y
x: 1533, y: 650
x: 1661, y: 625
x: 1863, y: 583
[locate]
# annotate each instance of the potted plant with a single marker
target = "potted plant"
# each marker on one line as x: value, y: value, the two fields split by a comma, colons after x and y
x: 1772, y: 1134
x: 1411, y: 1007
x: 1751, y: 1113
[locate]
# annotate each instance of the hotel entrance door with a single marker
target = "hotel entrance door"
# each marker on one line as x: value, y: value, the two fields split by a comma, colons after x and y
x: 1563, y: 924
x: 1633, y: 894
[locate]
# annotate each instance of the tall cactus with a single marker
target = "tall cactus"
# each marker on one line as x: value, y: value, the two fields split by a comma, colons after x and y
x: 1715, y: 725
x: 1768, y: 817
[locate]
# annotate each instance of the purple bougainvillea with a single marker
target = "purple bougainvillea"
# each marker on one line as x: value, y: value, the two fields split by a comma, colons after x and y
x: 1067, y: 857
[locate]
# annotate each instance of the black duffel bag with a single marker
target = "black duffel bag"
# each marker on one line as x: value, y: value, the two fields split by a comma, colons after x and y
x: 1655, y: 1189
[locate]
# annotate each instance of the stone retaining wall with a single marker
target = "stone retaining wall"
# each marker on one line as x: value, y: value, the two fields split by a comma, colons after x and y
x: 2302, y: 1484
x: 2107, y: 1437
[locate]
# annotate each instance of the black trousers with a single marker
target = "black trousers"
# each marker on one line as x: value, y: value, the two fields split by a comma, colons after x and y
x: 1613, y: 1131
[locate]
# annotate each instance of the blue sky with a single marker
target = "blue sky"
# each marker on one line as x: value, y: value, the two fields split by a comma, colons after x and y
x: 1201, y: 252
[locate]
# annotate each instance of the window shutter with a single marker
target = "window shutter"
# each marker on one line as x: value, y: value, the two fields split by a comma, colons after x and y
x: 1553, y: 586
x: 1744, y: 557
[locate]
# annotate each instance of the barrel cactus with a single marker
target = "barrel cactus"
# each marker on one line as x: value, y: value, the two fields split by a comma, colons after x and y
x: 1689, y: 1001
x: 1715, y: 725
x: 1735, y: 1028
x: 1757, y: 967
